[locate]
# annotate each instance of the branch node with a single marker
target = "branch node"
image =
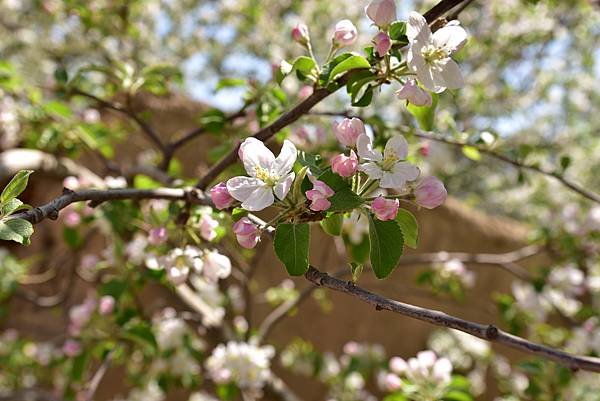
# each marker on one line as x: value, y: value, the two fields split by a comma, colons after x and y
x: 52, y: 215
x: 378, y: 307
x: 491, y: 332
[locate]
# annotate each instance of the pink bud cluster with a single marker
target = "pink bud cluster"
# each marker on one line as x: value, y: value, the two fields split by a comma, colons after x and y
x: 318, y: 196
x: 246, y: 232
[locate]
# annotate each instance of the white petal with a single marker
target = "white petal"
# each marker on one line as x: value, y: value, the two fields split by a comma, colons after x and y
x: 254, y: 154
x: 242, y: 187
x: 286, y: 159
x: 283, y: 186
x: 427, y: 78
x: 365, y: 149
x: 452, y: 75
x: 396, y: 146
x: 261, y: 198
x: 453, y: 38
x: 417, y: 28
x: 400, y: 174
x: 372, y: 170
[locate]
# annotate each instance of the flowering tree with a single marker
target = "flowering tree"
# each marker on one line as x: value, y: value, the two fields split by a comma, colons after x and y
x: 266, y: 183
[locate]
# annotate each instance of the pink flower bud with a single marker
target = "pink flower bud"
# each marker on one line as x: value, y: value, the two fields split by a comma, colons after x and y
x: 343, y: 165
x: 207, y: 227
x: 383, y: 43
x: 424, y: 149
x: 157, y: 236
x: 72, y: 219
x: 71, y: 182
x: 246, y: 232
x: 430, y: 192
x: 345, y: 33
x: 348, y: 131
x: 392, y: 382
x: 106, y: 305
x: 414, y: 94
x: 220, y: 196
x: 381, y: 12
x: 318, y: 196
x: 71, y: 348
x: 300, y: 33
x: 385, y: 209
x: 305, y: 91
x: 398, y: 365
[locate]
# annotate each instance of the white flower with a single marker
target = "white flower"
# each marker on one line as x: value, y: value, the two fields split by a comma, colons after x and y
x: 388, y: 167
x: 208, y: 301
x: 268, y: 174
x: 356, y: 227
x: 178, y: 263
x: 169, y: 331
x: 216, y: 266
x: 244, y: 364
x: 429, y: 53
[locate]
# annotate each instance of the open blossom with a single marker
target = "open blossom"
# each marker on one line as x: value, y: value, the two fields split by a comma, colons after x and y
x: 414, y: 94
x: 246, y: 232
x: 348, y: 131
x: 382, y: 43
x: 318, y: 196
x: 389, y: 167
x: 381, y: 12
x: 345, y: 33
x: 207, y: 227
x: 345, y: 166
x: 300, y: 33
x: 220, y: 196
x: 216, y: 266
x: 430, y: 193
x: 245, y: 364
x: 454, y: 268
x: 356, y: 227
x: 268, y: 174
x: 178, y: 263
x: 429, y: 53
x: 385, y: 209
x: 157, y: 236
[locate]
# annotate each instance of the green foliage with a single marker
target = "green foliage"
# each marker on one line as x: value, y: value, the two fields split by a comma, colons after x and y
x: 344, y: 198
x: 292, y: 245
x: 354, y: 62
x: 332, y: 224
x: 425, y: 115
x: 409, y: 226
x: 386, y: 241
x: 15, y: 229
x: 15, y: 187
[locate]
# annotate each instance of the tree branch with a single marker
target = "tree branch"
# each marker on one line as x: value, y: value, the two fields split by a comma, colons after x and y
x: 484, y: 331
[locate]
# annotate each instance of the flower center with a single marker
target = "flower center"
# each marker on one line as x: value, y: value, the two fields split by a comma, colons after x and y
x: 431, y: 54
x: 389, y: 161
x: 265, y: 176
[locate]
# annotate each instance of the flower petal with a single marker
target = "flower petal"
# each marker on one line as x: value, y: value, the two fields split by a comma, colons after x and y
x: 396, y: 147
x: 365, y: 149
x: 400, y: 174
x: 452, y: 75
x: 372, y: 170
x: 452, y: 38
x: 242, y: 187
x: 255, y: 154
x: 283, y: 186
x: 286, y: 159
x: 417, y: 28
x: 261, y: 198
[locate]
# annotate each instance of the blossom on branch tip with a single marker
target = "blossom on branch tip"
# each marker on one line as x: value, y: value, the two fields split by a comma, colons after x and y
x: 345, y: 33
x: 429, y: 53
x: 348, y: 131
x: 318, y: 196
x: 430, y: 193
x: 414, y: 94
x: 385, y: 209
x: 345, y: 166
x: 220, y: 196
x: 300, y: 33
x: 268, y: 174
x: 381, y: 12
x: 389, y: 167
x: 246, y: 232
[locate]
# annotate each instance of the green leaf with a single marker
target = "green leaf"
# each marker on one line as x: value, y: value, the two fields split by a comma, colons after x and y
x: 471, y: 152
x: 291, y: 247
x: 386, y: 246
x: 142, y: 334
x: 332, y: 224
x: 327, y: 68
x: 305, y: 67
x: 425, y: 115
x: 397, y: 31
x: 213, y: 120
x: 58, y: 109
x: 229, y: 83
x: 18, y: 230
x: 344, y: 198
x: 12, y: 206
x: 311, y: 161
x: 78, y: 366
x: 16, y: 186
x: 409, y: 226
x: 353, y: 62
x: 455, y: 395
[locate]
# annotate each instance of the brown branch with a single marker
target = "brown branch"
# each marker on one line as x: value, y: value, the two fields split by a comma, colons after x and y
x: 484, y: 331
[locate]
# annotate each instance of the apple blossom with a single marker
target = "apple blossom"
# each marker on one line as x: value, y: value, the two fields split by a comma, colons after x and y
x: 318, y: 196
x: 382, y: 43
x: 430, y: 193
x: 71, y: 348
x: 72, y: 218
x: 207, y: 227
x: 157, y: 236
x: 106, y: 305
x: 385, y: 209
x: 220, y: 196
x: 216, y: 266
x: 71, y: 182
x: 429, y: 53
x: 391, y: 382
x: 300, y: 33
x: 345, y: 166
x: 414, y: 94
x: 381, y: 12
x: 305, y: 91
x: 268, y: 174
x: 345, y: 33
x: 389, y: 167
x: 178, y: 263
x: 348, y: 131
x: 356, y: 227
x: 246, y: 232
x: 398, y: 365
